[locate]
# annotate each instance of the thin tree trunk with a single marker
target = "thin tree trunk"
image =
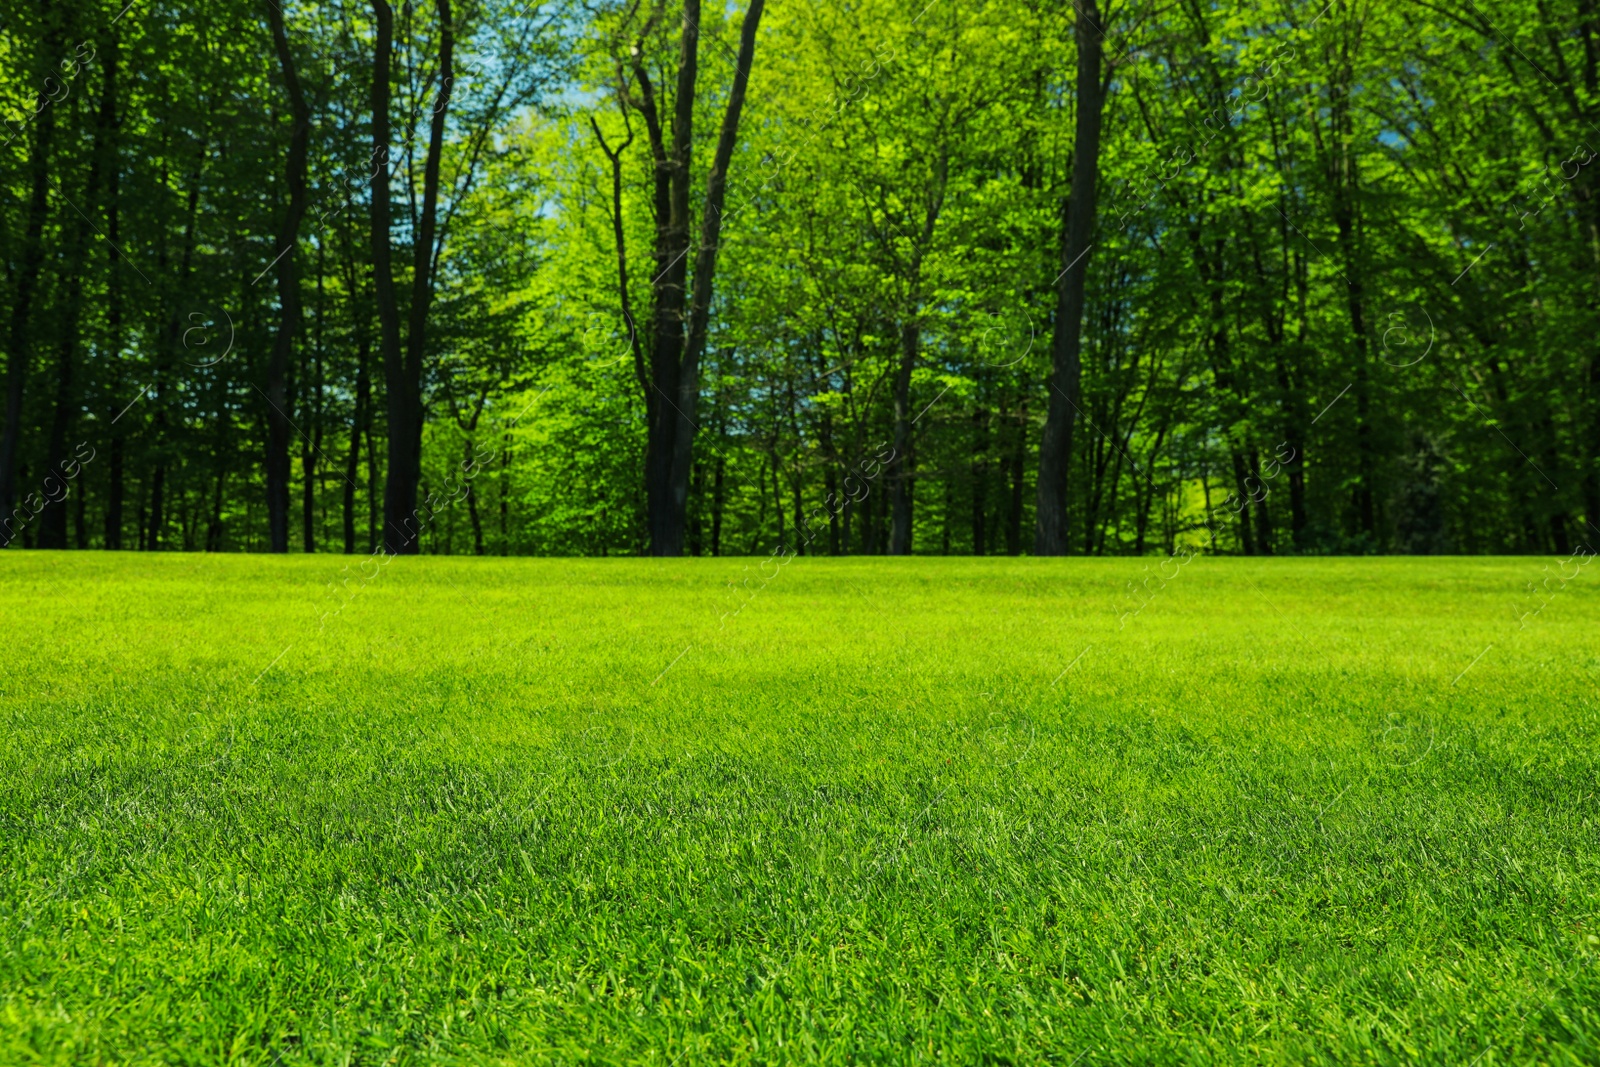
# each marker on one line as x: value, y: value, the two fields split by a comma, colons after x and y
x: 116, y: 488
x: 900, y: 522
x: 374, y: 498
x: 399, y: 496
x: 353, y: 463
x: 165, y: 356
x: 1346, y: 179
x: 903, y: 479
x: 949, y: 513
x: 472, y: 500
x: 505, y: 489
x: 53, y: 522
x: 311, y: 449
x: 1591, y: 482
x: 980, y: 479
x: 214, y: 530
x: 697, y: 518
x: 1055, y: 449
x: 20, y: 348
x: 1144, y: 500
x: 1297, y: 429
x: 1240, y: 474
x: 158, y: 518
x: 717, y: 497
x: 114, y: 494
x: 277, y: 465
x: 1018, y: 463
x: 1262, y: 516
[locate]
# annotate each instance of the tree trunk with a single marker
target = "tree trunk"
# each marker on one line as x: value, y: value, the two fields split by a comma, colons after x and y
x: 400, y: 494
x: 980, y: 478
x: 158, y: 489
x: 505, y: 489
x: 277, y: 465
x: 900, y: 521
x: 114, y: 494
x: 403, y: 371
x: 116, y: 489
x: 1018, y: 464
x: 949, y: 513
x: 472, y: 498
x: 678, y: 330
x: 166, y: 354
x: 214, y: 530
x: 353, y: 463
x: 1591, y: 482
x: 697, y: 520
x: 20, y: 348
x: 717, y: 497
x: 1294, y: 439
x: 1263, y: 517
x: 53, y: 522
x: 374, y: 498
x: 311, y: 444
x: 1055, y: 449
x: 1240, y: 474
x: 1345, y: 179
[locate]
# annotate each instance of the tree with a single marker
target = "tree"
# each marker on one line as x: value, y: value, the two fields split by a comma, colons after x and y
x: 277, y: 392
x: 680, y: 309
x: 1055, y: 448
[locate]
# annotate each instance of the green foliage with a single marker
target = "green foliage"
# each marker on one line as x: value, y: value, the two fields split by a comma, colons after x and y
x: 1388, y: 209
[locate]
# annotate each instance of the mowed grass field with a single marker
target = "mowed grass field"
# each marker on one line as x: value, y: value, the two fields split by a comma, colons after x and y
x: 893, y: 811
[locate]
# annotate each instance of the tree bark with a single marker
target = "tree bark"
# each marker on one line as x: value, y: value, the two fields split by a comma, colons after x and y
x: 680, y: 319
x: 1345, y: 178
x: 277, y: 465
x: 158, y: 515
x: 53, y: 522
x: 1591, y: 481
x: 116, y: 489
x: 214, y: 529
x: 403, y: 368
x: 353, y: 463
x: 311, y: 441
x: 20, y: 348
x: 905, y: 459
x: 396, y: 495
x: 1055, y: 449
x: 1018, y: 462
x: 980, y: 477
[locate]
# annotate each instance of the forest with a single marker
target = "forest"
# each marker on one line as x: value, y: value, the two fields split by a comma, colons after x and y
x: 640, y: 277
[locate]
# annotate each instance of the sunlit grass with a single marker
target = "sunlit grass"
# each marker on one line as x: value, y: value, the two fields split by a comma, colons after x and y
x: 892, y: 810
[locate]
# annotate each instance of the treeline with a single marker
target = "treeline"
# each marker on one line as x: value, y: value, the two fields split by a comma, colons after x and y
x: 646, y: 277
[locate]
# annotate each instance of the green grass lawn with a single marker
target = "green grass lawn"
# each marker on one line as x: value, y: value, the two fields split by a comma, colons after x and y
x: 919, y: 810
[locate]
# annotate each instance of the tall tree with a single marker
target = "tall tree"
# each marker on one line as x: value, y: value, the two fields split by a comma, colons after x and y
x: 277, y: 392
x: 680, y: 313
x: 53, y: 523
x: 1055, y: 448
x: 403, y: 367
x: 25, y: 283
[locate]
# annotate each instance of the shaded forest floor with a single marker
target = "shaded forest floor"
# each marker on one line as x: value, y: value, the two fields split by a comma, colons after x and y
x: 925, y: 810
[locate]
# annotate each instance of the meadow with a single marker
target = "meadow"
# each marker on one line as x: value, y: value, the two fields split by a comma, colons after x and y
x: 889, y: 811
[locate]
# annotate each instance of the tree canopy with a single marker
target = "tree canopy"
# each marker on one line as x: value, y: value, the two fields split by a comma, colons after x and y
x: 627, y: 277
